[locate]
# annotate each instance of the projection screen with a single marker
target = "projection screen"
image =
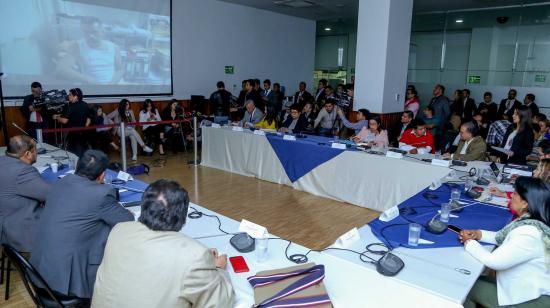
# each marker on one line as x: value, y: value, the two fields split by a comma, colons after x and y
x: 104, y: 47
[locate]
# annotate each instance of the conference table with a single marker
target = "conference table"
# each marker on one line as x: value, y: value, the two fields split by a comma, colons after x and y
x: 309, y: 164
x: 431, y: 277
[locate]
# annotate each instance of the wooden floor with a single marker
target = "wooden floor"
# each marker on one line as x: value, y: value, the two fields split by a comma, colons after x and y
x: 311, y: 221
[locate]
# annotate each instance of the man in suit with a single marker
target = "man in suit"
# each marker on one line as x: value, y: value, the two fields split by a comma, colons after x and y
x: 22, y: 192
x: 471, y: 146
x: 399, y: 128
x: 269, y: 96
x: 302, y: 96
x: 508, y: 105
x: 36, y: 117
x: 320, y: 94
x: 251, y: 116
x: 467, y: 108
x: 529, y: 101
x: 149, y: 263
x: 79, y: 214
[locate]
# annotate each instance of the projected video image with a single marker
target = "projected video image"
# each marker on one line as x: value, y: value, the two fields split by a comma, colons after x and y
x: 71, y: 43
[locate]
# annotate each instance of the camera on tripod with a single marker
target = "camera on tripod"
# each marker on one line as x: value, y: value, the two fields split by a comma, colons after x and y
x: 52, y: 100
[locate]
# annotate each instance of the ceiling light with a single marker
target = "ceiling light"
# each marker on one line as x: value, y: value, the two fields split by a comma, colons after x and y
x: 327, y: 29
x: 459, y: 21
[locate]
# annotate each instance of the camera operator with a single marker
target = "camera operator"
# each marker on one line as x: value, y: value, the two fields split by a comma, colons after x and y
x: 34, y: 116
x: 77, y: 114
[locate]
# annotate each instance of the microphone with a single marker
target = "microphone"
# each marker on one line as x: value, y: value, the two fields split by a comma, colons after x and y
x: 39, y: 148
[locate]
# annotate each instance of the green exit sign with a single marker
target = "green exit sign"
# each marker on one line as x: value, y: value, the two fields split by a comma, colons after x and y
x: 474, y: 79
x: 230, y: 69
x: 540, y: 78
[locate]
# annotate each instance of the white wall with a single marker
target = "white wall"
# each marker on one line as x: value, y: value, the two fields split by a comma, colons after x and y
x: 207, y: 35
x: 210, y: 34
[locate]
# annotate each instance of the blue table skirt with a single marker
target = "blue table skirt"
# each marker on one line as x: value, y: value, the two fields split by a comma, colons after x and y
x: 477, y: 216
x: 303, y: 155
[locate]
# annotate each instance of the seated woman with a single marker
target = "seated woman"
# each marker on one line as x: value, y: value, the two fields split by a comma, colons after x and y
x: 153, y: 133
x: 519, y: 138
x: 126, y: 115
x: 103, y: 134
x: 173, y: 131
x: 418, y: 139
x: 295, y: 123
x: 374, y: 135
x: 269, y: 120
x: 521, y: 260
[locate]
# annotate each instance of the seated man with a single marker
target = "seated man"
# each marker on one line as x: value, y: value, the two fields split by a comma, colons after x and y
x: 295, y: 123
x: 252, y: 115
x: 22, y: 192
x: 399, y: 128
x: 149, y: 263
x: 471, y: 146
x: 418, y: 139
x: 79, y: 214
x: 363, y: 116
x: 326, y: 119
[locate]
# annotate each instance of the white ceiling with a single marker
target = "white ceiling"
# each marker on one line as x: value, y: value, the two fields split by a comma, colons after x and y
x: 334, y: 9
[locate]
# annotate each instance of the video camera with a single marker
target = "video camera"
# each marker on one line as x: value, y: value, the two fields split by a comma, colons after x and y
x: 52, y: 100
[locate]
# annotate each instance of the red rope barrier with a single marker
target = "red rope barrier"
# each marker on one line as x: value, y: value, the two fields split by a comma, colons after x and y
x: 93, y: 127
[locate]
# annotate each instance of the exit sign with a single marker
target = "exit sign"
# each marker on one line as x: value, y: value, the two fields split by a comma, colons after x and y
x: 474, y: 79
x: 230, y: 69
x: 540, y: 78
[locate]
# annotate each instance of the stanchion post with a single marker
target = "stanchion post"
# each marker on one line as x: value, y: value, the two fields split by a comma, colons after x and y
x: 122, y: 146
x: 195, y: 160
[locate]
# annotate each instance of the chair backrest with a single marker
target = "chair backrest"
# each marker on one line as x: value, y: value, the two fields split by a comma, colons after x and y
x: 30, y: 276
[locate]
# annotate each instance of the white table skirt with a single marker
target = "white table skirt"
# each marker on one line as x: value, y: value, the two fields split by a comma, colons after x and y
x: 362, y: 179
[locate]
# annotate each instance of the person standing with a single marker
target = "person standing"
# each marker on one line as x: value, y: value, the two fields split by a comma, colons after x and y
x: 441, y: 107
x: 508, y: 106
x: 77, y: 115
x: 33, y: 115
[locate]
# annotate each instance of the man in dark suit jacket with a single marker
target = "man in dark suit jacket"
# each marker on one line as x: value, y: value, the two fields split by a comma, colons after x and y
x: 320, y: 95
x: 79, y: 214
x: 22, y: 192
x: 397, y: 130
x: 36, y: 117
x: 270, y: 97
x: 508, y: 105
x: 529, y: 101
x: 467, y: 109
x: 302, y: 96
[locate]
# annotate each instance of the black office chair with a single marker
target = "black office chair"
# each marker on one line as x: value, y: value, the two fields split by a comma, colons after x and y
x: 42, y: 296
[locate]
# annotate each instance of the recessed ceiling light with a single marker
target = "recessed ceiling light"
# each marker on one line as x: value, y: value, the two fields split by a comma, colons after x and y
x: 327, y: 29
x: 459, y: 21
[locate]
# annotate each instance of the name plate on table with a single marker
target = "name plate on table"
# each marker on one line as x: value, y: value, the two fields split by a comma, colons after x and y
x: 289, y: 137
x: 337, y: 145
x: 215, y: 125
x: 441, y: 162
x: 237, y: 129
x: 259, y: 132
x: 252, y: 229
x: 348, y: 238
x: 392, y: 154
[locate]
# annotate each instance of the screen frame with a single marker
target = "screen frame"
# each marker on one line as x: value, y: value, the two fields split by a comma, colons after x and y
x: 171, y: 93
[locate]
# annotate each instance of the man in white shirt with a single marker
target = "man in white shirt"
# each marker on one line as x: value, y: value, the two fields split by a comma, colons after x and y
x: 471, y: 146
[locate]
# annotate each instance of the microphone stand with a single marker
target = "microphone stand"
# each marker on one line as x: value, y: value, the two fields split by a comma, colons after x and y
x: 3, y: 113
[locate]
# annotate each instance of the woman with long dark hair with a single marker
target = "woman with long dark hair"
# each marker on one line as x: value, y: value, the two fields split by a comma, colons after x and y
x: 270, y: 119
x: 125, y: 114
x: 374, y: 135
x: 153, y: 132
x: 519, y: 138
x: 522, y: 258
